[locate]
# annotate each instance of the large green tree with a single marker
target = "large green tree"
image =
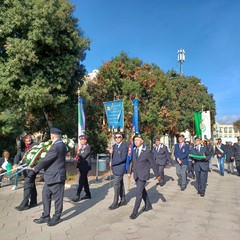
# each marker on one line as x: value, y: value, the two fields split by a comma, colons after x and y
x: 166, y: 104
x: 236, y: 125
x: 41, y: 49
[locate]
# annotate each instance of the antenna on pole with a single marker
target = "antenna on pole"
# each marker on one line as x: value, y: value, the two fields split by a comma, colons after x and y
x: 181, y: 59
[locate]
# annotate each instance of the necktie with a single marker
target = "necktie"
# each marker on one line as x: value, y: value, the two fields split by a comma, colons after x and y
x: 137, y: 153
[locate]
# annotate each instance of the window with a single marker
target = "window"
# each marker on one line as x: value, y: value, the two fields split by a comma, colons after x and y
x: 230, y: 130
x: 225, y: 130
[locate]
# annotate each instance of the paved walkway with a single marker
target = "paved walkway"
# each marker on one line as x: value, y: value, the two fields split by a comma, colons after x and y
x: 175, y: 215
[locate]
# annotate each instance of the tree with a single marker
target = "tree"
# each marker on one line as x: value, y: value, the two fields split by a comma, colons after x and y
x: 41, y: 47
x: 165, y: 105
x: 236, y: 125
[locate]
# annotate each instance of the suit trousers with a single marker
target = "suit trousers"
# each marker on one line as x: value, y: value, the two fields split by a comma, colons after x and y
x: 119, y: 190
x: 29, y: 191
x: 161, y: 173
x: 201, y: 177
x: 55, y: 191
x: 141, y: 193
x: 181, y: 171
x: 83, y: 182
x: 237, y: 162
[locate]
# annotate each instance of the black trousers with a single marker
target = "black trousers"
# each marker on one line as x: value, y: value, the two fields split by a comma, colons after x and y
x: 119, y: 190
x: 83, y: 182
x: 55, y: 191
x: 201, y: 177
x: 29, y: 189
x: 161, y: 173
x: 141, y: 193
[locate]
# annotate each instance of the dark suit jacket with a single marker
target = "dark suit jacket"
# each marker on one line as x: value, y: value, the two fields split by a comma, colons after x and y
x: 54, y: 163
x: 141, y: 166
x: 162, y: 156
x: 229, y: 150
x: 84, y: 161
x: 119, y: 158
x: 217, y: 152
x: 182, y: 153
x: 201, y: 164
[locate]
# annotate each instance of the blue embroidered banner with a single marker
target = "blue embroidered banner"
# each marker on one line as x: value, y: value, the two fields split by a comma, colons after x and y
x: 115, y: 114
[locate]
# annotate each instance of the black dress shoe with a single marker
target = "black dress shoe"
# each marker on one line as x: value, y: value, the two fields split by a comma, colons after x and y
x: 54, y: 222
x: 133, y: 216
x: 32, y: 205
x: 202, y: 194
x: 76, y: 199
x: 183, y: 188
x: 122, y: 203
x: 86, y: 197
x: 20, y: 208
x: 41, y: 220
x: 148, y: 208
x: 113, y: 206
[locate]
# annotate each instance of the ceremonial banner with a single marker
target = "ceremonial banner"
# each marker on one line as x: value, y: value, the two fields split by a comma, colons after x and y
x: 135, y: 129
x: 206, y: 125
x: 81, y: 118
x: 115, y: 114
x: 197, y: 122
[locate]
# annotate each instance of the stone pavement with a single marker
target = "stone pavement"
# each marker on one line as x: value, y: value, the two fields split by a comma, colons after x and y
x: 175, y: 215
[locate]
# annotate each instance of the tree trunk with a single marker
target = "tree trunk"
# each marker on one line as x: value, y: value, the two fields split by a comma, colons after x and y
x: 49, y: 122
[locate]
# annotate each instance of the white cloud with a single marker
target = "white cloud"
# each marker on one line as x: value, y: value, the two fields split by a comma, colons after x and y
x: 228, y: 118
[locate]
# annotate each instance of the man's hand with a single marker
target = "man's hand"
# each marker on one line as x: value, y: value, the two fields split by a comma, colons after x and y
x: 31, y: 168
x: 110, y: 164
x: 14, y: 166
x: 158, y: 178
x: 179, y: 161
x: 129, y: 175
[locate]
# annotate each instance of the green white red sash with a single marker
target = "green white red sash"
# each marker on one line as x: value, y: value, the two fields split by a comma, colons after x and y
x: 219, y: 149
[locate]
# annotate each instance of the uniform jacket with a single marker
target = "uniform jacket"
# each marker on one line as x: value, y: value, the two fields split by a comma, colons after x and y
x: 141, y: 166
x: 217, y: 152
x: 119, y: 158
x: 201, y: 164
x: 54, y: 164
x: 84, y: 161
x: 236, y: 148
x: 161, y: 155
x: 182, y: 153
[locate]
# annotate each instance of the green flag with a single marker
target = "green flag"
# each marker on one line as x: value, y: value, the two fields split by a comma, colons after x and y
x: 197, y: 123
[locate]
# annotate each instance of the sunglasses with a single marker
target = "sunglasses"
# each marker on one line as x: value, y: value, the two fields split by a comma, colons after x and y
x: 118, y: 137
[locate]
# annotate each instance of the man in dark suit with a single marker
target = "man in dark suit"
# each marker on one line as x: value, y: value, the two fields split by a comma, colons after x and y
x: 161, y: 156
x: 200, y: 154
x: 140, y: 166
x: 54, y: 176
x: 84, y: 166
x: 181, y: 152
x: 118, y: 162
x: 236, y: 147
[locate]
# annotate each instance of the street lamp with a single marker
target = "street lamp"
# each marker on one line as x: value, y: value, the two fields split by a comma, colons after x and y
x: 181, y: 59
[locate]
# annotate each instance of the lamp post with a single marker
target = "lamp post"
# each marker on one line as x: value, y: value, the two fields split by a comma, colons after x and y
x: 181, y: 59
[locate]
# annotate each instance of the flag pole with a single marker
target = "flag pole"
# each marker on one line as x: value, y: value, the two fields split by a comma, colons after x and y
x: 110, y: 170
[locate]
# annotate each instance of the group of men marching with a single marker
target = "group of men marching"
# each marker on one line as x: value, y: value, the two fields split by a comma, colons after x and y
x: 143, y: 159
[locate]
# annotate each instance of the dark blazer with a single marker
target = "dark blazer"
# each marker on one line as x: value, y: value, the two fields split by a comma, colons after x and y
x: 84, y: 160
x: 161, y: 157
x: 229, y: 150
x: 182, y: 153
x: 54, y: 163
x: 201, y: 164
x: 119, y: 158
x: 217, y: 152
x: 141, y: 166
x: 236, y: 147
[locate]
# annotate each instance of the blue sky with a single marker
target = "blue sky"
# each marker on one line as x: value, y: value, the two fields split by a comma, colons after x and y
x: 154, y: 30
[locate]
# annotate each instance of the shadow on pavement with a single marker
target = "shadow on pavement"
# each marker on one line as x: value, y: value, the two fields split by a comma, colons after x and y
x: 98, y: 194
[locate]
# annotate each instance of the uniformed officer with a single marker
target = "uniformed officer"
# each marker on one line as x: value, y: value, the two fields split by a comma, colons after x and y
x: 161, y: 156
x: 181, y: 152
x: 84, y: 166
x: 200, y: 154
x: 54, y: 165
x: 118, y: 163
x: 140, y: 166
